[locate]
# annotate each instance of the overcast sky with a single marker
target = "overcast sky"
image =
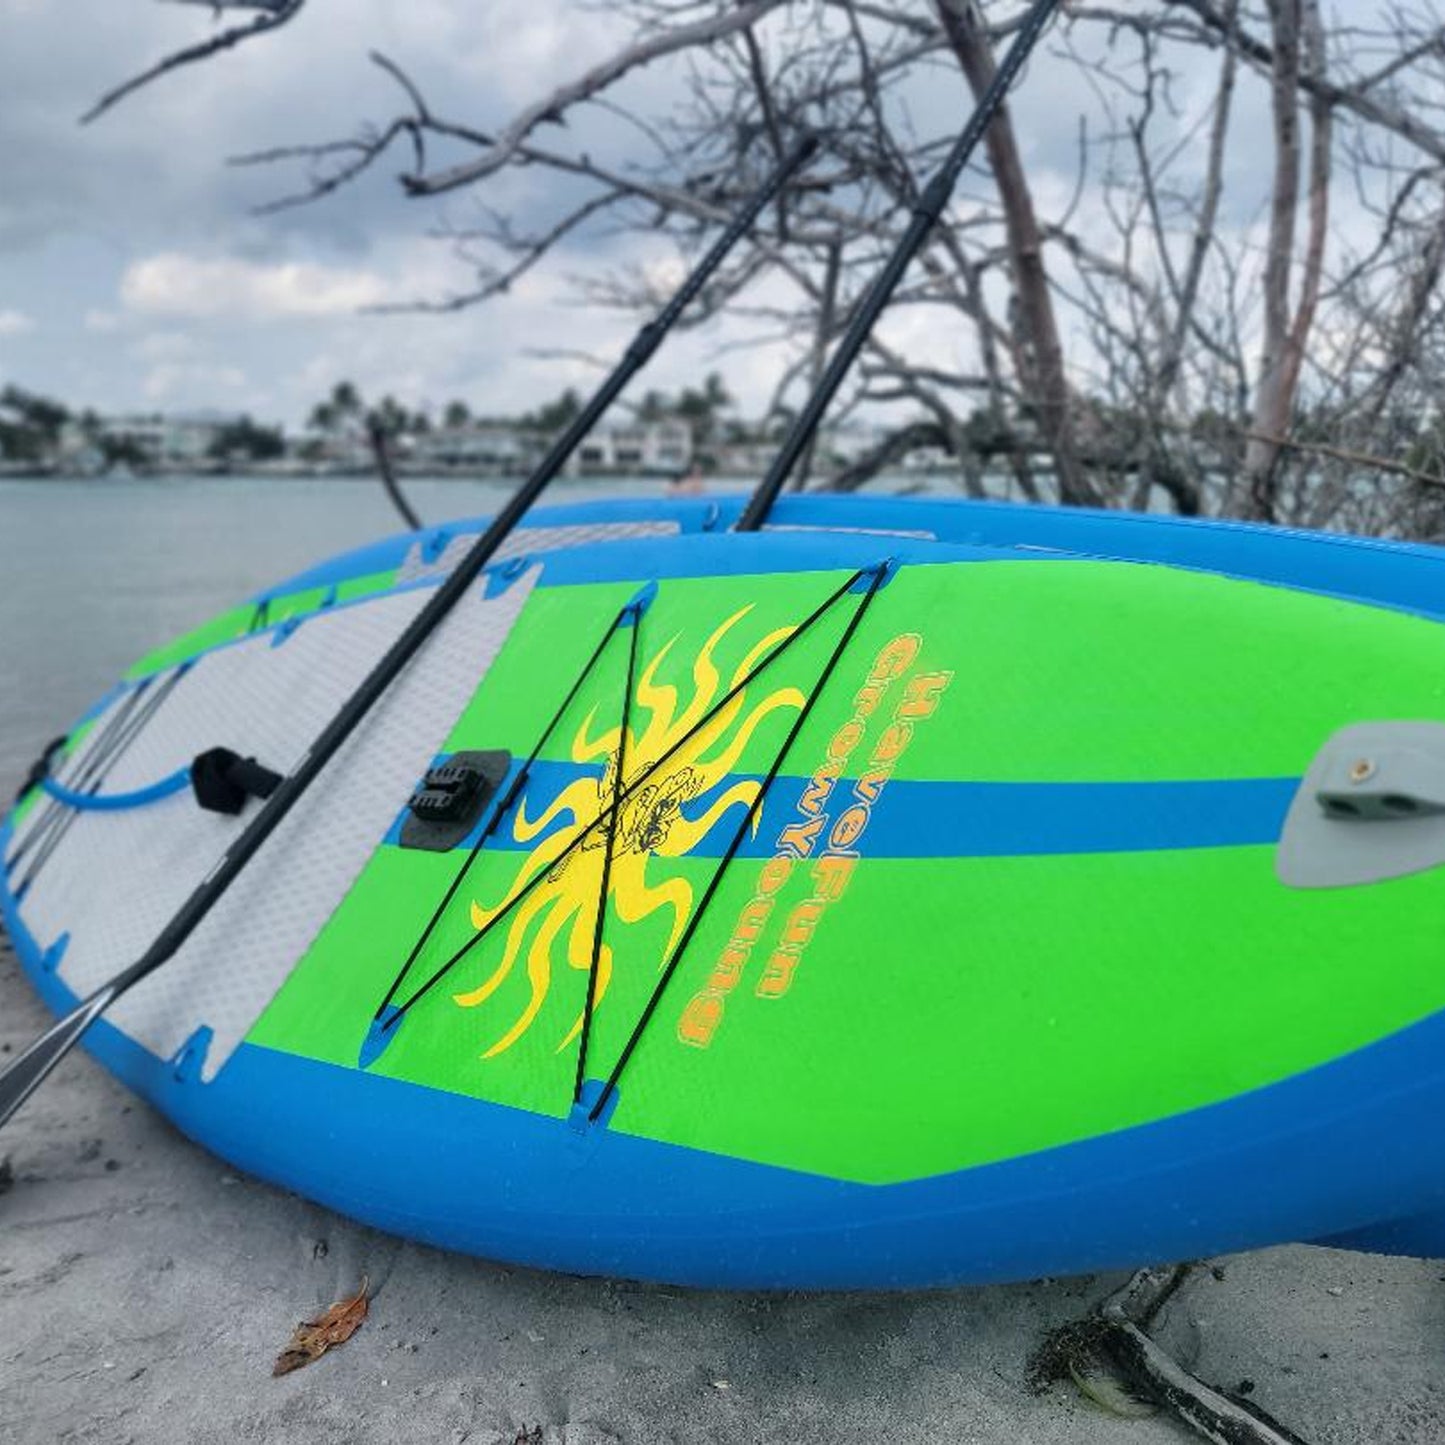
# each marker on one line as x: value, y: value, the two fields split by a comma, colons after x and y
x: 132, y: 275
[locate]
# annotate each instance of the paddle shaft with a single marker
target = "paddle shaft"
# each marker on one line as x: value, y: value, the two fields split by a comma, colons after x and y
x: 25, y: 1074
x: 926, y: 211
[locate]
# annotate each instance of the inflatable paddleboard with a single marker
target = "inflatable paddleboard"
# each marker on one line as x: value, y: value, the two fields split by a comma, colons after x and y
x: 817, y: 908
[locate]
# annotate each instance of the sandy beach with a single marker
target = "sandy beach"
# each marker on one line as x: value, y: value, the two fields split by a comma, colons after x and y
x: 145, y: 1290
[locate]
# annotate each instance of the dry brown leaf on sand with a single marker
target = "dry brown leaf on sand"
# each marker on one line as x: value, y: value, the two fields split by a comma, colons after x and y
x: 312, y: 1338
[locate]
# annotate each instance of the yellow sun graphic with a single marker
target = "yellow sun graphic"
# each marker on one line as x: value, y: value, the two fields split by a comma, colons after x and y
x: 651, y: 822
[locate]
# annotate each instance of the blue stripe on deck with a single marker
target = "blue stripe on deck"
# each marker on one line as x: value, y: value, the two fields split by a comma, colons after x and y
x: 915, y: 819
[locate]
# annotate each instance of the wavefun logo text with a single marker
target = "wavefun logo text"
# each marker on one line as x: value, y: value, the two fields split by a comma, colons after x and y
x: 832, y: 867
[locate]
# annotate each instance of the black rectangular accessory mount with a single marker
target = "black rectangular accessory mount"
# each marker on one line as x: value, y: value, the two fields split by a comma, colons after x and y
x: 452, y: 796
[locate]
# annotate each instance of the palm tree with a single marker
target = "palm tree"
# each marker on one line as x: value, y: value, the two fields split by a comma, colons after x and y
x: 701, y: 409
x: 346, y: 400
x: 390, y: 416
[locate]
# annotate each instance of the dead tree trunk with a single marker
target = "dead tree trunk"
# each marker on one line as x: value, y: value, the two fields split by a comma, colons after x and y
x: 968, y: 39
x: 1298, y: 40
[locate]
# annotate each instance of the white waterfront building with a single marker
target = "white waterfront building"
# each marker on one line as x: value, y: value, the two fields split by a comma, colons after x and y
x: 484, y: 447
x: 178, y: 442
x: 645, y: 448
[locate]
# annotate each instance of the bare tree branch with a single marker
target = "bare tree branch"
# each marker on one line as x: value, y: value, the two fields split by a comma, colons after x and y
x: 274, y: 14
x: 1355, y: 459
x: 1356, y: 99
x: 553, y: 108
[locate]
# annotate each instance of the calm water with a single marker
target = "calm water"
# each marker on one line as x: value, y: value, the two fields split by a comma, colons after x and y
x: 95, y: 574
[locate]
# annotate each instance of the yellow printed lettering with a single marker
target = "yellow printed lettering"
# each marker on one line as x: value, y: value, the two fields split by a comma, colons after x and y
x: 831, y: 874
x: 800, y: 837
x: 700, y: 1019
x: 848, y: 828
x: 920, y: 696
x: 777, y: 977
x: 895, y: 657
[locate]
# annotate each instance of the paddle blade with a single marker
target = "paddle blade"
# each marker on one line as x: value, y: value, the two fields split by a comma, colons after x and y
x: 26, y: 1074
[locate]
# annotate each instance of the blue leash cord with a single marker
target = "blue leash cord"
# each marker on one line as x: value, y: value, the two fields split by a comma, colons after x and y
x: 118, y: 802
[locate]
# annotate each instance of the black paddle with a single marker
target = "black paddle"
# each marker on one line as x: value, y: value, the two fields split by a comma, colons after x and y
x: 27, y: 1072
x: 931, y: 201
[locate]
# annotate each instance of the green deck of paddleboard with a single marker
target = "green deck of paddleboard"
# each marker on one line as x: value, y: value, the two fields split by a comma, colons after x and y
x: 949, y: 1011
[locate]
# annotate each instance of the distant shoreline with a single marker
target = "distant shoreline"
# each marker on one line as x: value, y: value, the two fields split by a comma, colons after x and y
x: 324, y: 474
x: 28, y: 473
